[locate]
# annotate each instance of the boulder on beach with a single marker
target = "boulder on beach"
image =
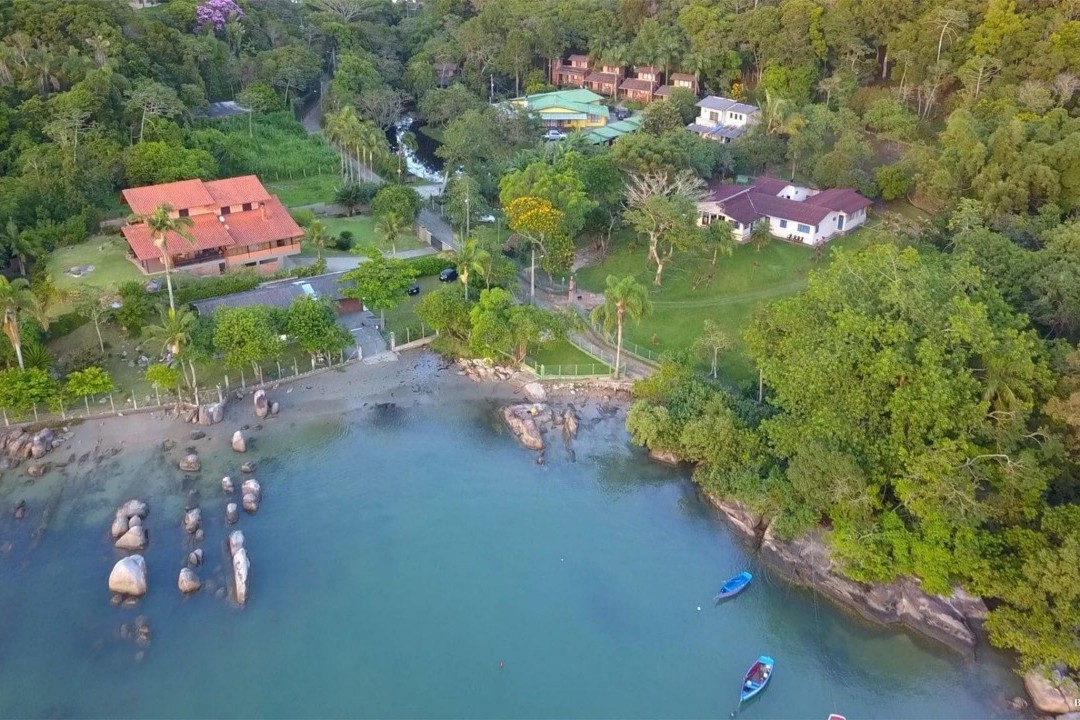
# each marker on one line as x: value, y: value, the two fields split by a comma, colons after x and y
x: 128, y: 576
x: 241, y: 566
x: 274, y: 409
x: 211, y: 414
x: 192, y: 520
x: 535, y: 392
x: 191, y: 463
x: 188, y: 582
x: 227, y: 485
x: 262, y: 406
x: 238, y: 443
x: 232, y: 513
x: 1050, y: 694
x: 134, y: 539
x: 236, y: 541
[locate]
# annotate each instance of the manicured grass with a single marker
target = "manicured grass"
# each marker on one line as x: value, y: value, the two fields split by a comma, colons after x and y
x: 308, y: 190
x: 363, y: 229
x: 693, y: 291
x: 563, y: 358
x: 402, y: 319
x: 108, y: 255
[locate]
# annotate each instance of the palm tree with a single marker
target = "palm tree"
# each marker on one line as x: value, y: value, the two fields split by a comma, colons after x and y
x: 623, y: 299
x: 722, y: 239
x: 17, y: 300
x: 390, y: 228
x: 318, y: 237
x: 160, y: 222
x: 760, y: 234
x: 22, y: 244
x: 174, y: 334
x: 471, y: 257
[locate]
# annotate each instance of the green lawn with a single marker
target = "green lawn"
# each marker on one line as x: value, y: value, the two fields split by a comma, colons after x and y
x: 108, y: 255
x: 305, y: 191
x: 563, y: 358
x: 693, y: 291
x: 402, y: 319
x: 363, y: 229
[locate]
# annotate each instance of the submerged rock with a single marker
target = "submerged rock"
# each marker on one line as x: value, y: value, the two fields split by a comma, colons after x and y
x: 128, y: 576
x: 570, y: 423
x: 227, y: 485
x: 248, y: 467
x: 192, y: 521
x: 191, y: 463
x: 195, y: 558
x: 232, y: 513
x: 37, y: 469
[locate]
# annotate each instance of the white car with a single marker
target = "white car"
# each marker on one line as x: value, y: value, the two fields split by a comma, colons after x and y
x: 554, y: 134
x: 486, y: 219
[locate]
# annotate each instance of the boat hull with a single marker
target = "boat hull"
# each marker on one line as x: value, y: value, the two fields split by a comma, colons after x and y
x: 734, y: 586
x: 757, y: 678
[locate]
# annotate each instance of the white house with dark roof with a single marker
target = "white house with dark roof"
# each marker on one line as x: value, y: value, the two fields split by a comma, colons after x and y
x: 723, y: 119
x: 794, y: 212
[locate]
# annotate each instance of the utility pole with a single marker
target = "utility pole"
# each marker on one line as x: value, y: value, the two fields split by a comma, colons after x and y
x: 466, y: 216
x: 491, y: 97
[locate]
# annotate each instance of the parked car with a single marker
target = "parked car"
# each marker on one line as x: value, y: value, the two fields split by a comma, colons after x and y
x: 487, y: 219
x: 554, y: 134
x: 621, y: 113
x: 448, y: 275
x: 414, y: 289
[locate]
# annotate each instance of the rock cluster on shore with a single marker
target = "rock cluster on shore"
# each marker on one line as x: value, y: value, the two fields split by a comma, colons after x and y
x: 127, y: 526
x: 17, y: 445
x: 480, y: 369
x: 1054, y: 693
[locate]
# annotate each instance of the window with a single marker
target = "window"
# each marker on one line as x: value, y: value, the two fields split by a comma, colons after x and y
x: 783, y: 223
x: 805, y: 229
x: 714, y: 117
x: 736, y: 225
x: 225, y: 210
x: 247, y: 206
x: 184, y: 212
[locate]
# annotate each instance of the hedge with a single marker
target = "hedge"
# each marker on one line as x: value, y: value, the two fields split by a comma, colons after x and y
x: 427, y: 265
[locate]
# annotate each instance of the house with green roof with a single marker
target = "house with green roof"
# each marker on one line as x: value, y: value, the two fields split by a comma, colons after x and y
x: 566, y: 110
x: 613, y: 131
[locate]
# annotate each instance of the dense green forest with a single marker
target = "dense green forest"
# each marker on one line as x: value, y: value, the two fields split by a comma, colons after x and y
x: 921, y: 397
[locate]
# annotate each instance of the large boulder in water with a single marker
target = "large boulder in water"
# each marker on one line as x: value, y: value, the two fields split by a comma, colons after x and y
x: 134, y: 507
x: 232, y: 513
x: 119, y: 524
x: 128, y: 576
x: 192, y: 520
x: 134, y: 539
x: 241, y: 566
x: 522, y: 422
x: 236, y: 541
x: 238, y: 442
x: 1054, y: 694
x: 188, y: 582
x: 262, y: 406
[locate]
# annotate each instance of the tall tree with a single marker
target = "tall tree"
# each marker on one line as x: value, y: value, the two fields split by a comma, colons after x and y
x: 318, y: 237
x: 18, y: 301
x: 624, y: 299
x: 22, y: 245
x: 663, y: 208
x: 713, y: 341
x: 175, y: 335
x: 471, y: 258
x: 160, y: 223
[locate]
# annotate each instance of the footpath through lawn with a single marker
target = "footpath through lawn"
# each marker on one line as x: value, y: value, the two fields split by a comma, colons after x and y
x: 694, y: 290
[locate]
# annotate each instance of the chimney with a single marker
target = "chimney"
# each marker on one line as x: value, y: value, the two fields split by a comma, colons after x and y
x: 262, y: 209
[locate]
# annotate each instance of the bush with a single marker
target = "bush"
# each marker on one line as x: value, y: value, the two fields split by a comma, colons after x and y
x: 344, y: 241
x: 135, y: 308
x: 65, y: 325
x: 404, y: 201
x: 191, y: 290
x: 428, y: 265
x: 303, y: 218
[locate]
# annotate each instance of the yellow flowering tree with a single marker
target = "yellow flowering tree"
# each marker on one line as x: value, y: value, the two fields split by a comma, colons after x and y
x: 541, y: 223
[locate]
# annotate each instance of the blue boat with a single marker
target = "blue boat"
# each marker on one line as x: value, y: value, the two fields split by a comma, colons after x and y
x: 757, y: 677
x: 734, y: 586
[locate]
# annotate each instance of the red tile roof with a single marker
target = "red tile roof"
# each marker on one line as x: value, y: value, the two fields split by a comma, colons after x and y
x: 682, y: 76
x: 238, y: 229
x: 250, y: 227
x: 640, y: 85
x: 180, y: 195
x: 603, y: 78
x: 235, y: 191
x: 843, y: 200
x: 208, y: 232
x: 745, y: 204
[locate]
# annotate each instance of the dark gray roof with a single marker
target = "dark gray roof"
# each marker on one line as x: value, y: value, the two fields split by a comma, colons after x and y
x: 277, y: 293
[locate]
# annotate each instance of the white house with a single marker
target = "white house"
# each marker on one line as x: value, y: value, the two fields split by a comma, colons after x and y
x: 794, y: 213
x: 723, y: 119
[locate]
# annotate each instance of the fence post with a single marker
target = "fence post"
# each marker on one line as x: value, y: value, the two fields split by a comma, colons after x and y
x: 134, y: 400
x: 35, y: 413
x: 226, y: 382
x: 393, y: 341
x: 111, y: 403
x: 157, y: 394
x: 343, y: 356
x: 243, y: 383
x: 541, y: 369
x: 278, y: 369
x: 220, y: 398
x: 295, y: 367
x: 6, y: 423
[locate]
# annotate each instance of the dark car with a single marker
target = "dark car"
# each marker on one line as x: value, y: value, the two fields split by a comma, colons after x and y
x: 448, y: 275
x: 621, y: 113
x: 414, y: 289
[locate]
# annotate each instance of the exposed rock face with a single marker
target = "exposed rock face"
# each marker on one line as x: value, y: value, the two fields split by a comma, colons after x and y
x: 232, y: 513
x: 481, y: 369
x: 134, y: 539
x: 188, y: 582
x: 668, y: 457
x: 523, y: 421
x: 744, y: 519
x: 806, y: 561
x: 535, y: 392
x: 191, y: 463
x: 262, y: 406
x: 16, y: 444
x: 1051, y: 693
x: 128, y: 576
x: 192, y: 521
x: 238, y: 442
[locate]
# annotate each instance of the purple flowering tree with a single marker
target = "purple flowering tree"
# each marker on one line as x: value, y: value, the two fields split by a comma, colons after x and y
x: 216, y: 13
